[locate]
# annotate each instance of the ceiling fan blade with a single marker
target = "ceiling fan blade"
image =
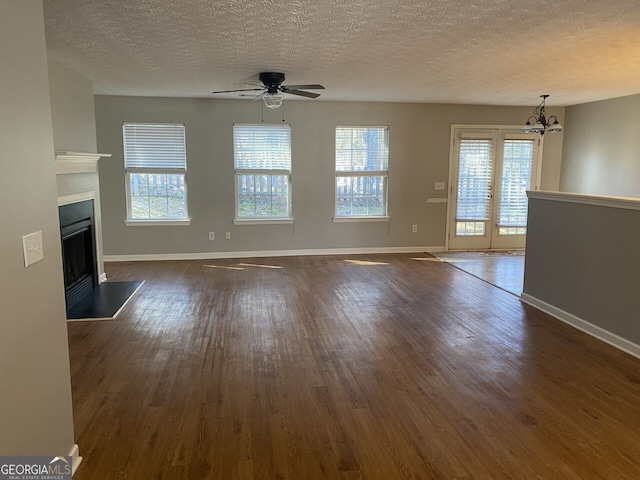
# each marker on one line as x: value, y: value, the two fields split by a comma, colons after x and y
x: 301, y: 93
x: 312, y: 86
x: 240, y: 90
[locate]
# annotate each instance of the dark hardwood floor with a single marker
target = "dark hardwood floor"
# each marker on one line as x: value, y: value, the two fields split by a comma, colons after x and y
x: 344, y: 367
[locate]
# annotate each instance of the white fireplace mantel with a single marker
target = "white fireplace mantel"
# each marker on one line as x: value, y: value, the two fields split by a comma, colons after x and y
x: 78, y: 188
x: 77, y: 162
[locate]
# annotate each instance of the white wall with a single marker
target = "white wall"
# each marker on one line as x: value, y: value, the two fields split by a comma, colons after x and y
x: 419, y: 144
x: 601, y: 150
x: 35, y: 404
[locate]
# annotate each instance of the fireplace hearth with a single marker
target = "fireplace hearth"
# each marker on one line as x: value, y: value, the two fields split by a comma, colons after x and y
x: 77, y: 232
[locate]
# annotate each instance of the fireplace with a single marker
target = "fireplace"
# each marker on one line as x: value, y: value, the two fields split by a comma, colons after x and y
x: 77, y: 232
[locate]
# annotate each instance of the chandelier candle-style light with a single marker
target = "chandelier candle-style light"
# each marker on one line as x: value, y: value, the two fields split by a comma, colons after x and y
x: 540, y: 122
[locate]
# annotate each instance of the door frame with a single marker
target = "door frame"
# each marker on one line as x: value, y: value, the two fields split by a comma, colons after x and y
x: 453, y: 175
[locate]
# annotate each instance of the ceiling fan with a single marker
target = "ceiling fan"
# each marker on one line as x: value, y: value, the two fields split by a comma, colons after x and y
x: 273, y: 91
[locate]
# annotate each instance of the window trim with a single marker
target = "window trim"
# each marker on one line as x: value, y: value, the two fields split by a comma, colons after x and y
x: 128, y: 171
x: 385, y: 218
x: 157, y: 223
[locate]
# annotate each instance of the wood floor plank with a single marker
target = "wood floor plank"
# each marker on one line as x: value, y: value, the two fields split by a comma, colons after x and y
x: 389, y: 366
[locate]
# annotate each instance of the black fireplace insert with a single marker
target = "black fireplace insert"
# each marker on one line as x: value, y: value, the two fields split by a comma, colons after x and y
x: 78, y: 250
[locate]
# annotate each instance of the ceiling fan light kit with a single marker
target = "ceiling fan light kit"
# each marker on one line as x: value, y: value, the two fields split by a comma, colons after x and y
x: 273, y: 91
x: 273, y: 100
x: 541, y: 123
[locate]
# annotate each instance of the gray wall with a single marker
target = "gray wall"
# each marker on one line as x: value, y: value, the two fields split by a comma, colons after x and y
x: 72, y: 110
x: 418, y: 156
x: 572, y: 265
x: 601, y: 151
x: 35, y: 405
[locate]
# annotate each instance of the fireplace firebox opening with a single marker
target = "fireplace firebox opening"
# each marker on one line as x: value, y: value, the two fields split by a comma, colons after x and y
x: 78, y: 250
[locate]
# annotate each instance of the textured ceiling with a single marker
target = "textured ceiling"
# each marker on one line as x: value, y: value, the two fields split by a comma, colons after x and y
x: 497, y: 52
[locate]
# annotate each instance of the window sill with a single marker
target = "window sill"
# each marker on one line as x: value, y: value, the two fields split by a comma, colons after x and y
x: 360, y: 219
x: 157, y: 223
x: 258, y: 221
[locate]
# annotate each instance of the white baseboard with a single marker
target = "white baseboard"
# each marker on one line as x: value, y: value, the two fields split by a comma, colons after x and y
x: 589, y: 328
x: 269, y: 253
x: 102, y: 278
x: 76, y: 459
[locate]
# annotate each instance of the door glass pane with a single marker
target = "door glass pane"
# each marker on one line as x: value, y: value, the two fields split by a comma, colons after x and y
x: 470, y: 228
x: 474, y: 186
x: 515, y: 181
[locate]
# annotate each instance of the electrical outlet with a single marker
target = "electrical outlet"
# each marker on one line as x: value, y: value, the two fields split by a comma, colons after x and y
x: 227, y: 235
x: 414, y: 228
x: 32, y: 246
x: 212, y: 236
x: 439, y: 186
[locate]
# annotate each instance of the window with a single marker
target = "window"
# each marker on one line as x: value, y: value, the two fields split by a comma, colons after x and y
x: 362, y: 163
x: 155, y: 164
x: 262, y: 162
x: 517, y: 166
x: 474, y: 186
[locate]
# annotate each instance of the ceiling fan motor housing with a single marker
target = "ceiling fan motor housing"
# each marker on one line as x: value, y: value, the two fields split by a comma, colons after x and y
x: 271, y: 80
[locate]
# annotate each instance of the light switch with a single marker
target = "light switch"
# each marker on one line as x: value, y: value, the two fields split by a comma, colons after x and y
x: 439, y: 186
x: 32, y: 246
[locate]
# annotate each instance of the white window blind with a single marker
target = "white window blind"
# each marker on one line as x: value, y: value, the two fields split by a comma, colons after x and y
x: 262, y: 147
x: 154, y: 146
x: 262, y: 160
x: 518, y: 159
x: 362, y: 164
x: 474, y: 184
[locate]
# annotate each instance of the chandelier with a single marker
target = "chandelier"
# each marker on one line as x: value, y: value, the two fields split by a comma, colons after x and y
x: 541, y: 123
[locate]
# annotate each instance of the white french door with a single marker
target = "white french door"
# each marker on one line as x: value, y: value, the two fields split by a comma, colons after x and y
x: 491, y: 170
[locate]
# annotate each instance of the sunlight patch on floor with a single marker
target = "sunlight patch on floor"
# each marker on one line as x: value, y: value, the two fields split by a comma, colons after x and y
x: 257, y: 265
x: 242, y: 266
x: 364, y: 262
x: 223, y: 267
